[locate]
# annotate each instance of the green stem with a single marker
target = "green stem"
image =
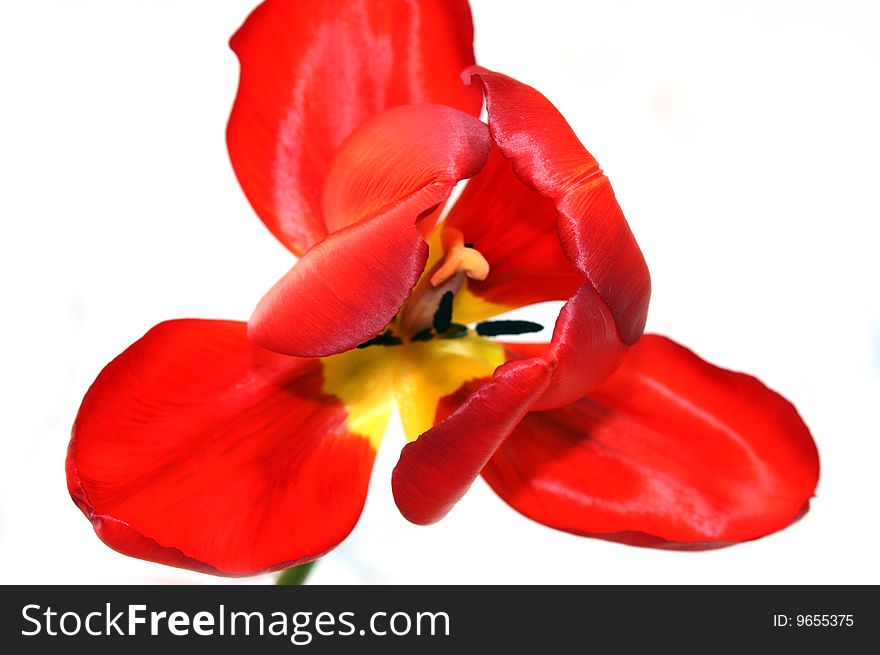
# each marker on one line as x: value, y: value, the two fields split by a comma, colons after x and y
x: 295, y: 575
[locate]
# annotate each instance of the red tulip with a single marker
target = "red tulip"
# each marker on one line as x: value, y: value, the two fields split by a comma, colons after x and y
x: 237, y: 448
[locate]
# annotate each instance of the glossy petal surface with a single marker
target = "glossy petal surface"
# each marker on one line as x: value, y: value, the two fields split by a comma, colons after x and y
x: 547, y: 156
x: 197, y: 449
x: 394, y: 170
x: 544, y: 216
x: 670, y: 451
x: 435, y: 471
x: 515, y: 229
x: 312, y: 71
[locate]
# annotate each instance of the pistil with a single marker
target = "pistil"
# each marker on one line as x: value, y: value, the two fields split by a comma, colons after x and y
x: 434, y: 294
x: 459, y: 258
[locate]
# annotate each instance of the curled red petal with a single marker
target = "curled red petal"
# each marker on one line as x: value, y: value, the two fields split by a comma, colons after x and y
x: 548, y: 157
x: 197, y: 449
x: 312, y: 71
x: 435, y: 471
x: 568, y: 208
x: 670, y: 451
x: 391, y: 172
x: 397, y: 153
x: 515, y: 229
x: 585, y: 349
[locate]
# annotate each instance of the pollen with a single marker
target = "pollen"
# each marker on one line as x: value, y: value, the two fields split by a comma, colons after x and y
x: 460, y: 257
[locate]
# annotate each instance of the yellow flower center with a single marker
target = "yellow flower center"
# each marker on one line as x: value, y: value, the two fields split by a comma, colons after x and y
x: 436, y: 358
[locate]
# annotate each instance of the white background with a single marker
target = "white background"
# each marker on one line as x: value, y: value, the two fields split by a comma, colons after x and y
x: 741, y: 138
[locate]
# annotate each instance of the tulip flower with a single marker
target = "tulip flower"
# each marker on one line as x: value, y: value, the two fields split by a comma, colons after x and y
x: 237, y: 448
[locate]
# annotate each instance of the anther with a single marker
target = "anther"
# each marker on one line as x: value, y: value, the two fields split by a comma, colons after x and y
x: 424, y: 335
x: 498, y: 328
x: 459, y: 261
x: 455, y: 331
x: 384, y: 339
x: 443, y: 315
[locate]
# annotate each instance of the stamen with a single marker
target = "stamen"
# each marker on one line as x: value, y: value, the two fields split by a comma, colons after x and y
x: 443, y: 315
x: 384, y: 339
x: 498, y: 328
x: 425, y: 335
x: 455, y: 331
x: 421, y: 310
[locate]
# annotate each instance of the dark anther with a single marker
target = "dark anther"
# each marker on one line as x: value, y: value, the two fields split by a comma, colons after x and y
x: 455, y: 331
x: 384, y: 339
x: 468, y: 245
x: 497, y: 328
x: 423, y: 335
x: 443, y: 315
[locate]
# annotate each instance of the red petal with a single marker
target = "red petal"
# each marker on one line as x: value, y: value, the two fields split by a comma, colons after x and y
x: 398, y: 152
x: 595, y: 258
x: 312, y: 71
x: 394, y: 169
x: 197, y: 449
x: 514, y: 228
x: 670, y: 451
x: 547, y: 156
x: 435, y: 471
x: 585, y: 349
